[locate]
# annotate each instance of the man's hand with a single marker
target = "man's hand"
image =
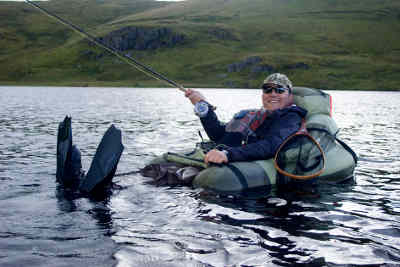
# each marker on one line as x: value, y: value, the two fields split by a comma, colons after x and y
x: 215, y: 156
x: 194, y: 96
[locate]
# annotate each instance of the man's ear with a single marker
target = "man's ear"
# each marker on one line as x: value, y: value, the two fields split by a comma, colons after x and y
x: 290, y: 99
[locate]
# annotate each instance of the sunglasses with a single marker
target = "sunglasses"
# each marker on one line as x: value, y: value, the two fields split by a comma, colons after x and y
x: 268, y: 89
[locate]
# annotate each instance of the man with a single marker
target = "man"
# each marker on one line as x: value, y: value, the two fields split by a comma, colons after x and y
x: 252, y: 134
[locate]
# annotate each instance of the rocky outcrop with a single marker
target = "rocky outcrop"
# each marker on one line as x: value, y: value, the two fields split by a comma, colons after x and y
x: 299, y: 65
x: 140, y: 38
x: 222, y: 34
x: 91, y: 55
x: 262, y: 68
x: 255, y: 66
x: 241, y: 65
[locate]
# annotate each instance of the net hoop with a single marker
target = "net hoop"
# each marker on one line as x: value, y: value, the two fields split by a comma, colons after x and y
x: 302, y: 131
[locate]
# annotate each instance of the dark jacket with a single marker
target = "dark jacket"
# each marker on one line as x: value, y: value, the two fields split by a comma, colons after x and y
x: 268, y: 136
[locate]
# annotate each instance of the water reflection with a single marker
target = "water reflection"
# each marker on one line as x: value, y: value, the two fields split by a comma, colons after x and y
x: 67, y: 203
x: 288, y: 233
x: 139, y: 225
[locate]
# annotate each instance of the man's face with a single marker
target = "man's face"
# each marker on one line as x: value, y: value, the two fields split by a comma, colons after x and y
x: 274, y: 97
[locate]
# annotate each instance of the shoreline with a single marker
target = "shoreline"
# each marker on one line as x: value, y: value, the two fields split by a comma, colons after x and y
x: 150, y: 85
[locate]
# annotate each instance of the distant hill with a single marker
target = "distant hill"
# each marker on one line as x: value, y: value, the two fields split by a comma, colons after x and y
x: 328, y: 44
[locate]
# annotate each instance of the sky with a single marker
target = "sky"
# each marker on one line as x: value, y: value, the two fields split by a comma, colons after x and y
x: 18, y: 0
x: 46, y: 0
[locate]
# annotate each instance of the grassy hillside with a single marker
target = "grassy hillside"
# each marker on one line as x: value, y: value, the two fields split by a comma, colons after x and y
x: 333, y: 44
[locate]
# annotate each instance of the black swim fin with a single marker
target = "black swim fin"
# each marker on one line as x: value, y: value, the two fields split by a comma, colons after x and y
x: 105, y: 161
x: 69, y: 166
x: 64, y: 147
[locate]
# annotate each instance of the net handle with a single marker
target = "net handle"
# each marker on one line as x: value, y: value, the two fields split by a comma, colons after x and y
x: 302, y: 131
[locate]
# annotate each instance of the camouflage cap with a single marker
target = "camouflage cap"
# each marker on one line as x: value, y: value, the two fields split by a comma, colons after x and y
x: 279, y: 79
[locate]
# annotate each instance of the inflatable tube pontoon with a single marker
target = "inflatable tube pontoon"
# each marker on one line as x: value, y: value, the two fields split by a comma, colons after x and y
x: 340, y: 160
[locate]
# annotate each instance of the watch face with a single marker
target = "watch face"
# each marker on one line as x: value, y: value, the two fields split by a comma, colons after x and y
x: 201, y: 108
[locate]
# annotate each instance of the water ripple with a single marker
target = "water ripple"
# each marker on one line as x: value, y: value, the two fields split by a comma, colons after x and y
x: 45, y: 224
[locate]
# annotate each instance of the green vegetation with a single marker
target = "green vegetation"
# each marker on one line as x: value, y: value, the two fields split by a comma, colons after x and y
x: 343, y: 44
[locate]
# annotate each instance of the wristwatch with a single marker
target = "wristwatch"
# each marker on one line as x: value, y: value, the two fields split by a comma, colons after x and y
x: 225, y: 152
x: 201, y: 108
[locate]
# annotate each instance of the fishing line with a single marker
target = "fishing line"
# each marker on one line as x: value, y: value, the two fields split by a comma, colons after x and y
x: 127, y: 59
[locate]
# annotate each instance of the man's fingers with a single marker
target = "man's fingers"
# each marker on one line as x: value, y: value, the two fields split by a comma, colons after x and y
x: 188, y: 92
x: 215, y: 156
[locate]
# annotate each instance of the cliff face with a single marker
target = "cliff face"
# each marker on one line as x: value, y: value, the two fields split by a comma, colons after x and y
x: 140, y: 38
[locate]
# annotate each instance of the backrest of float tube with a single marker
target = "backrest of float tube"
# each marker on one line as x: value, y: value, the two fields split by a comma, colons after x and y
x: 318, y: 106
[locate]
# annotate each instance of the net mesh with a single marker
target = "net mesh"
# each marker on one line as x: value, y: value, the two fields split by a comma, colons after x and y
x: 302, y: 155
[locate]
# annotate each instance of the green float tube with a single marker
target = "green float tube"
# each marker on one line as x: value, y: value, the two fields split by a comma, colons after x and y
x: 339, y: 159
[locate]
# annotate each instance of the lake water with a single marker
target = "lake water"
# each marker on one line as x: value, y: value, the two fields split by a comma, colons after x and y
x: 41, y: 224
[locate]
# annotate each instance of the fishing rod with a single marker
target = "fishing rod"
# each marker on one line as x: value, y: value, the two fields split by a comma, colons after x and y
x: 131, y: 61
